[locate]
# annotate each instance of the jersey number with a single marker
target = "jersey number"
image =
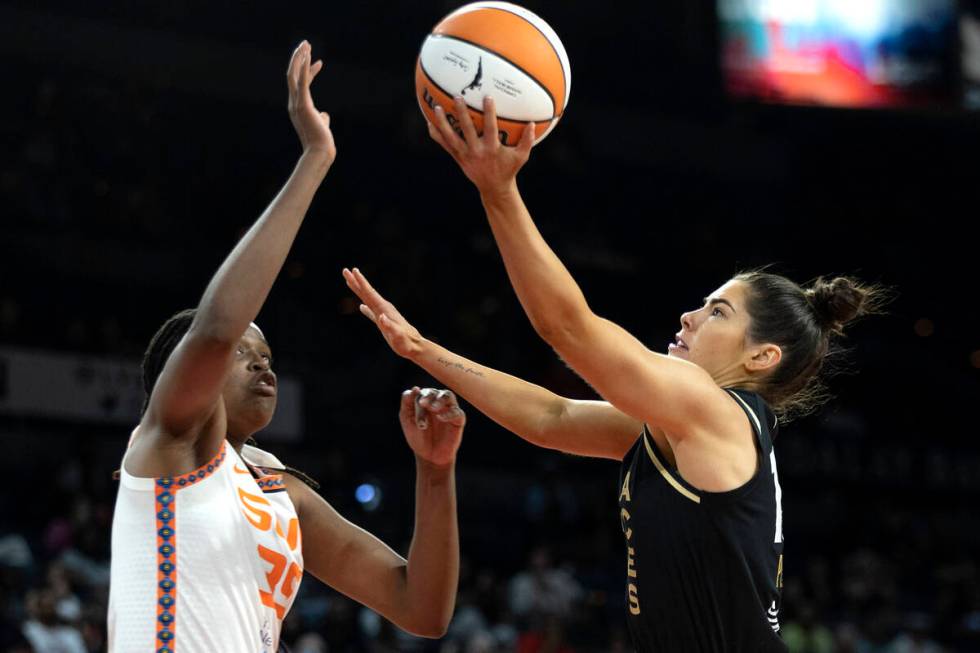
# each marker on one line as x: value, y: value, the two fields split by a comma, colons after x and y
x: 278, y: 573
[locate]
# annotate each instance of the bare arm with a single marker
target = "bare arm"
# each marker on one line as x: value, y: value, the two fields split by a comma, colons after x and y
x: 187, y: 392
x: 417, y: 594
x: 674, y: 394
x: 586, y: 428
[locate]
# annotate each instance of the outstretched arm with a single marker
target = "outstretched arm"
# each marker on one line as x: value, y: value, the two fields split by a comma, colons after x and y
x: 417, y: 594
x: 674, y: 394
x: 186, y: 394
x: 586, y: 428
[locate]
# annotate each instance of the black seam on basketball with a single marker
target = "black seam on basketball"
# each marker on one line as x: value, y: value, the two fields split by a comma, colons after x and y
x: 499, y: 118
x: 554, y: 105
x: 560, y: 64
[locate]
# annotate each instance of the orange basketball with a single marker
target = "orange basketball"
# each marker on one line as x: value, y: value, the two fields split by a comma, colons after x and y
x: 501, y: 50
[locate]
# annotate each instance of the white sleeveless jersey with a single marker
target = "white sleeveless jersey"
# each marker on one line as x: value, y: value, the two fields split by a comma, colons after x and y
x: 204, y: 562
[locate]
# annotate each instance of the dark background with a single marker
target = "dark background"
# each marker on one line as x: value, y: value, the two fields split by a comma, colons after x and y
x: 139, y: 141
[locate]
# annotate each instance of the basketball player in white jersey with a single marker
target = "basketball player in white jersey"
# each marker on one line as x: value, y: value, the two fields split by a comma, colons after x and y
x: 210, y: 538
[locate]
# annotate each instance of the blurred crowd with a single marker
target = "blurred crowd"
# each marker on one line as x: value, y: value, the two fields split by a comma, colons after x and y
x: 110, y: 235
x: 542, y: 567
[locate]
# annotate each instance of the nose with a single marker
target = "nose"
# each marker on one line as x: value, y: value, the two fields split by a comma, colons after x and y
x: 687, y: 321
x: 258, y: 364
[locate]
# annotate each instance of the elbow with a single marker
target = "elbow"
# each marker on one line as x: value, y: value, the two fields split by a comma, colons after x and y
x: 437, y: 631
x: 547, y: 329
x: 215, y: 330
x: 564, y: 331
x: 560, y: 318
x: 548, y: 429
x: 430, y: 627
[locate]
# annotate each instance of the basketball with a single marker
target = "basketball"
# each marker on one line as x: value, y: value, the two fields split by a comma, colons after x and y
x: 501, y: 50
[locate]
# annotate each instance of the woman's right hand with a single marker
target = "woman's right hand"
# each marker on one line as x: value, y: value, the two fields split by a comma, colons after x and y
x: 312, y: 126
x: 404, y: 339
x: 492, y: 167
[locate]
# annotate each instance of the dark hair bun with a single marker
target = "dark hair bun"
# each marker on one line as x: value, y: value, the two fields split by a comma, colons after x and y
x: 836, y: 302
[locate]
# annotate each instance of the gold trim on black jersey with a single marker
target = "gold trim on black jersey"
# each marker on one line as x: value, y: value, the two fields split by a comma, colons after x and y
x: 663, y: 470
x: 758, y: 424
x: 755, y: 418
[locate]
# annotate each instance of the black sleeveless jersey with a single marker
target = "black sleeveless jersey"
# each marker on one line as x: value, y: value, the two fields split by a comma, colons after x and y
x: 704, y: 569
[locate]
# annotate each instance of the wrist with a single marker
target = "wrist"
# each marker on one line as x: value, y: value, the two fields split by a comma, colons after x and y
x: 499, y: 194
x: 417, y: 348
x: 431, y: 471
x: 317, y: 157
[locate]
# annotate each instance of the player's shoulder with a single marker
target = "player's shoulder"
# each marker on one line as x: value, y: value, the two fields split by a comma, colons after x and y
x: 761, y: 415
x: 297, y: 489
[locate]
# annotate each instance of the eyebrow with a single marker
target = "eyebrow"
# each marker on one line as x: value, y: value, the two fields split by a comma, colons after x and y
x: 712, y: 302
x: 261, y: 344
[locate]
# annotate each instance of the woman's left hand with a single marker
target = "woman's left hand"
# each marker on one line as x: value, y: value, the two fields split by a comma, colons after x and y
x: 433, y: 424
x: 488, y: 164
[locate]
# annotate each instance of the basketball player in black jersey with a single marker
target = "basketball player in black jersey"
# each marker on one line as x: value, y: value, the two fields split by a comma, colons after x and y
x: 699, y: 494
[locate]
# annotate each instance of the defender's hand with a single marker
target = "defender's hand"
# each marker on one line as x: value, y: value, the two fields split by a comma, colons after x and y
x: 433, y: 424
x: 312, y: 126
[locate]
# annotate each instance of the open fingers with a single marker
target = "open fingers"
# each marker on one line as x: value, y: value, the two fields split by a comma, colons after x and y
x: 361, y: 288
x: 490, y: 122
x: 305, y: 76
x: 527, y: 140
x: 368, y: 313
x: 364, y: 283
x: 351, y: 281
x: 375, y: 307
x: 466, y: 121
x: 436, y: 135
x: 315, y: 69
x: 295, y: 67
x: 373, y: 295
x: 450, y: 139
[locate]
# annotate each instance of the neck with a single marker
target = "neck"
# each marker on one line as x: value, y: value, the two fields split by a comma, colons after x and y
x: 237, y: 441
x: 734, y: 378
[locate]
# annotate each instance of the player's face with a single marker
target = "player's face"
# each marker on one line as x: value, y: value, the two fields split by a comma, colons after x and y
x: 250, y: 391
x: 713, y: 336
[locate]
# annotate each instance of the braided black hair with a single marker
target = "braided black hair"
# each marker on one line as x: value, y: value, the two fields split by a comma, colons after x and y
x: 162, y: 344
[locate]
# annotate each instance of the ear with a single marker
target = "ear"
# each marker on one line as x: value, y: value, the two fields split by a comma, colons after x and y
x: 763, y: 358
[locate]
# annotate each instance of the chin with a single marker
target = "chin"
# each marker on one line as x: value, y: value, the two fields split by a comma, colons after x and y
x: 258, y: 417
x: 265, y: 420
x: 679, y: 353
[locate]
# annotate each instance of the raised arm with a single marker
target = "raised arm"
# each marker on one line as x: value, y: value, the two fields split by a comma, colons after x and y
x: 586, y: 428
x: 418, y: 593
x: 674, y: 394
x: 185, y: 400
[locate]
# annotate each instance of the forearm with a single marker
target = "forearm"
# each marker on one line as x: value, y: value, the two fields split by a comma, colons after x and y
x: 523, y: 408
x: 432, y: 573
x: 240, y: 286
x: 550, y: 297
